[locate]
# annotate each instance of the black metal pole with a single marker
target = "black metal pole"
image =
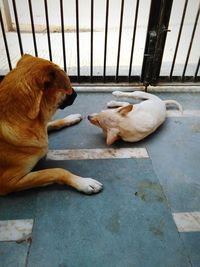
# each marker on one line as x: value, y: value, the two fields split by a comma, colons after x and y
x: 106, y: 38
x: 92, y: 38
x: 33, y: 28
x: 133, y: 39
x: 178, y: 40
x: 77, y: 39
x: 196, y: 71
x: 48, y: 30
x: 119, y: 42
x: 63, y: 35
x: 17, y: 27
x: 190, y: 46
x: 155, y: 40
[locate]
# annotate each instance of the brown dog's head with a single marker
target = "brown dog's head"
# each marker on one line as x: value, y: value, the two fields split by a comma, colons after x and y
x: 114, y: 122
x: 42, y: 85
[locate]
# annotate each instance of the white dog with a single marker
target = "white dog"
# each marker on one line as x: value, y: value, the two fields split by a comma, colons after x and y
x: 131, y: 122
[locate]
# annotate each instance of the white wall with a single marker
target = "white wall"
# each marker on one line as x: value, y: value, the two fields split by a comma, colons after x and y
x: 99, y: 9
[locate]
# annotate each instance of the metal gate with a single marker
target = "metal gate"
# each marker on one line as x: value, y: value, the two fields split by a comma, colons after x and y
x: 127, y: 41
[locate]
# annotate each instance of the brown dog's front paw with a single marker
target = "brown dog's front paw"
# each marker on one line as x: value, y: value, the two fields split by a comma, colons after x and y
x: 89, y: 186
x: 72, y: 119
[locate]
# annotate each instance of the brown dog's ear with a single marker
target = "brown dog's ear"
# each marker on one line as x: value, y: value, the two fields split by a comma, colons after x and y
x: 125, y: 110
x: 112, y: 136
x: 49, y: 77
x: 54, y: 77
x: 24, y: 57
x: 35, y: 107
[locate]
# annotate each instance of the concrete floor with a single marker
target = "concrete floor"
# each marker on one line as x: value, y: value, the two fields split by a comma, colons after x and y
x: 130, y: 222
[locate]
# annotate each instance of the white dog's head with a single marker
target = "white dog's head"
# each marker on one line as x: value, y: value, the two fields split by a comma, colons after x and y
x: 112, y: 121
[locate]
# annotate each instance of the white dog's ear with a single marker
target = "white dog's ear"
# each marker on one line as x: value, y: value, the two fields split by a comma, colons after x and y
x: 112, y: 136
x: 125, y: 110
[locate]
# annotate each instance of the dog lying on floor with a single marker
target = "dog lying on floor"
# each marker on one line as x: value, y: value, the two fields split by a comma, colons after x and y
x: 130, y: 122
x: 29, y: 96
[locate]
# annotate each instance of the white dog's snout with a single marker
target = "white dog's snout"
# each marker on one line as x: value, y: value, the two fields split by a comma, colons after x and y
x: 91, y: 116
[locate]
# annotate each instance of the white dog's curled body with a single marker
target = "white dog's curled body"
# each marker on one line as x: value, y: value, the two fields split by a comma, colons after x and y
x: 131, y: 122
x: 144, y: 118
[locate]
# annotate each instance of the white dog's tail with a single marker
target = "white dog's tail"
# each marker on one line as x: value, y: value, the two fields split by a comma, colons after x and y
x: 175, y: 103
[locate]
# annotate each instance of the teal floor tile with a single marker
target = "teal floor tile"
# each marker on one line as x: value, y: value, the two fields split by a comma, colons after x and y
x: 13, y: 254
x: 175, y: 154
x: 128, y: 224
x: 192, y: 241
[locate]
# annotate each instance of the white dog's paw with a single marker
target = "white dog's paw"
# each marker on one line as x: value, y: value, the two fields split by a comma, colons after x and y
x: 116, y: 104
x: 117, y: 93
x: 88, y: 186
x: 72, y: 119
x: 112, y: 104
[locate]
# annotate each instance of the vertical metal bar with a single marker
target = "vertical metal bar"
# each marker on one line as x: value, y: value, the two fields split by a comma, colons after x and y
x: 162, y: 35
x: 119, y: 42
x: 33, y: 28
x: 197, y: 69
x: 155, y: 40
x: 77, y: 39
x: 106, y: 38
x: 190, y: 46
x: 17, y: 27
x: 63, y: 35
x: 5, y: 41
x: 48, y: 31
x: 91, y: 49
x: 133, y: 39
x: 145, y: 77
x: 178, y: 40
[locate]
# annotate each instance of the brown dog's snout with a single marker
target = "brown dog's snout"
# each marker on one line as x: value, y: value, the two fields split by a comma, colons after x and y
x: 69, y: 99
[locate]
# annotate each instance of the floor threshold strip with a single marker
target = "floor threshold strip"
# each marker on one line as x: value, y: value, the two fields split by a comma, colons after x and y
x: 99, y: 153
x: 187, y: 221
x: 16, y: 230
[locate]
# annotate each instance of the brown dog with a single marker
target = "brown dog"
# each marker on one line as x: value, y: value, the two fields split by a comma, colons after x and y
x: 29, y: 95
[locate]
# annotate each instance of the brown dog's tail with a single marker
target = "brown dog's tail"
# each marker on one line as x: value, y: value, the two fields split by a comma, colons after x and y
x: 175, y: 103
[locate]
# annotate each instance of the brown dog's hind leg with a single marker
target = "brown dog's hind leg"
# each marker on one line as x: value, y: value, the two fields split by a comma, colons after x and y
x: 65, y: 122
x: 55, y: 175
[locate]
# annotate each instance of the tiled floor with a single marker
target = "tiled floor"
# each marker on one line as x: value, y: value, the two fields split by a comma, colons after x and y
x: 130, y: 223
